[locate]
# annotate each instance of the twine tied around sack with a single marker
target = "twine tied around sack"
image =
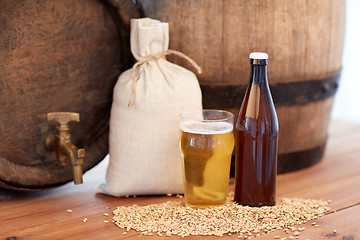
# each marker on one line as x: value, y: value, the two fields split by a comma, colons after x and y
x: 154, y: 57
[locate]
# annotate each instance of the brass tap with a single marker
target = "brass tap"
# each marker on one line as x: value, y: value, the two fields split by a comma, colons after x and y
x: 66, y: 151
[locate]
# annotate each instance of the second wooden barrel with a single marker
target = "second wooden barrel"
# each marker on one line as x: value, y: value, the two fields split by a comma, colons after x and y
x: 304, y: 40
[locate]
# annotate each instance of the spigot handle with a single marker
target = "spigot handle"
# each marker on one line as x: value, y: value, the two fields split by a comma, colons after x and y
x: 63, y: 117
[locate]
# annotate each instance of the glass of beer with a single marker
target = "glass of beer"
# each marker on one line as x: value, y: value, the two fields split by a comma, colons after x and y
x: 206, y: 144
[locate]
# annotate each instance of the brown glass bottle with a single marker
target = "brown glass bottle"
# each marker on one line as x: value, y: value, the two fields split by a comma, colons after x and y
x: 256, y: 140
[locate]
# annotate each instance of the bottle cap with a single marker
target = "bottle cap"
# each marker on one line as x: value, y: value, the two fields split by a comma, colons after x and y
x: 258, y: 55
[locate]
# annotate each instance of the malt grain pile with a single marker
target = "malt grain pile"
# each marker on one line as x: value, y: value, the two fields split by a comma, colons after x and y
x: 171, y: 218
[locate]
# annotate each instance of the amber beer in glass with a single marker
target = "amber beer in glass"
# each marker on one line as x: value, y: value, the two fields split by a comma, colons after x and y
x: 206, y: 144
x: 256, y: 140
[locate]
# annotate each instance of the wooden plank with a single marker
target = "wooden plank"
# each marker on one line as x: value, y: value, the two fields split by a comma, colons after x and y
x: 50, y: 213
x: 328, y: 170
x: 345, y: 222
x: 57, y: 222
x: 338, y: 128
x: 343, y: 192
x: 43, y: 215
x: 342, y: 142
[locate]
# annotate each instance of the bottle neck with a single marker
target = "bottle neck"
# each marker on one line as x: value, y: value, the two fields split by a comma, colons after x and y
x: 259, y: 74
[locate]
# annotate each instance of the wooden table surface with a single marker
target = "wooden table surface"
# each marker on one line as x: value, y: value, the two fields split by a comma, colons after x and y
x: 43, y: 215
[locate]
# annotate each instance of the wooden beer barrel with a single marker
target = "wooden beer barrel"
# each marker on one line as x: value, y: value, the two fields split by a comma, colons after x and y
x: 304, y: 40
x: 57, y: 56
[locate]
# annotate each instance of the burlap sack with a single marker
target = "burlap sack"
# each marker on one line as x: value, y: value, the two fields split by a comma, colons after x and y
x: 144, y: 150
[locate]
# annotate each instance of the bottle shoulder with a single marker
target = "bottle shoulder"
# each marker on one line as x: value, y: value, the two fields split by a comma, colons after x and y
x: 257, y: 104
x: 257, y: 115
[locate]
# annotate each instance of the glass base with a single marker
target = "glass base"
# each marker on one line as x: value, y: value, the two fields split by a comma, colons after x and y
x: 203, y: 206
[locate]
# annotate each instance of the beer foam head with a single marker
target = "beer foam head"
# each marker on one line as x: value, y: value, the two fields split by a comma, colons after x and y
x: 206, y: 127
